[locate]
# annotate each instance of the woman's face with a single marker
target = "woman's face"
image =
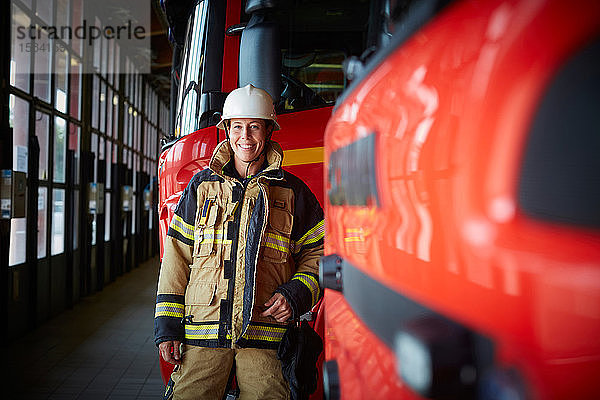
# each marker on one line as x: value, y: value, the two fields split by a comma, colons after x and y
x: 248, y: 137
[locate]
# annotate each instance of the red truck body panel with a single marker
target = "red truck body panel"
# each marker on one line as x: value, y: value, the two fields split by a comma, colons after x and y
x: 450, y: 110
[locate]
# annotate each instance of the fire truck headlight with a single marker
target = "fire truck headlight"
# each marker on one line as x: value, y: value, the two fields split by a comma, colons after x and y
x: 413, y: 362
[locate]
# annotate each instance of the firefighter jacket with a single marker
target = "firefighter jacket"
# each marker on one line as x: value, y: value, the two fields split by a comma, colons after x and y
x: 230, y: 246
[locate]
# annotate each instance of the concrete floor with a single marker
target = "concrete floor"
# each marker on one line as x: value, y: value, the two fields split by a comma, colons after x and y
x: 101, y: 349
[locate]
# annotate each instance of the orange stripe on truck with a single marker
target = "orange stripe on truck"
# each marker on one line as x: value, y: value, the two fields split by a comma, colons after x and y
x: 309, y: 155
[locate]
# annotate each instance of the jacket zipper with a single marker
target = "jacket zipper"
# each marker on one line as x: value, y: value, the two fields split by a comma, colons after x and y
x: 233, y: 258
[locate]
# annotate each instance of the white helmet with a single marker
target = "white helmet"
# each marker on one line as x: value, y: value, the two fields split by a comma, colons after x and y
x: 248, y: 102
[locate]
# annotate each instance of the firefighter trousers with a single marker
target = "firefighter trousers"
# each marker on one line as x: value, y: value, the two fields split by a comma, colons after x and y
x: 204, y: 374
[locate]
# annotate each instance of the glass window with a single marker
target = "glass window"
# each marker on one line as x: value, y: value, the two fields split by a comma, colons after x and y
x: 94, y: 229
x: 109, y: 111
x: 74, y: 145
x: 108, y: 164
x: 95, y: 100
x: 115, y: 131
x: 75, y: 92
x: 117, y: 63
x: 42, y: 221
x: 62, y: 71
x: 77, y: 16
x: 94, y: 148
x: 186, y: 105
x: 60, y: 148
x: 76, y: 219
x: 44, y: 10
x: 62, y: 15
x: 42, y: 131
x: 115, y: 153
x: 18, y: 114
x: 111, y: 60
x: 146, y: 150
x: 58, y: 222
x: 97, y: 49
x: 101, y: 147
x: 125, y: 122
x: 20, y: 58
x: 102, y: 107
x: 136, y: 132
x: 104, y: 60
x: 150, y: 214
x: 18, y: 240
x: 107, y: 217
x: 129, y: 137
x: 43, y: 66
x: 133, y: 213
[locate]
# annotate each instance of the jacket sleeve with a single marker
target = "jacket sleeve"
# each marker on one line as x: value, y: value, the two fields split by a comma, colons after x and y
x: 303, y: 291
x: 175, y: 271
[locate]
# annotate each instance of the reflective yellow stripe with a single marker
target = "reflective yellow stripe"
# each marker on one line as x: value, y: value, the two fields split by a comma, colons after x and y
x: 167, y: 309
x: 311, y: 283
x: 312, y: 236
x: 277, y: 242
x: 179, y: 225
x: 278, y: 237
x: 210, y: 331
x: 264, y: 333
x: 276, y: 247
x: 308, y: 155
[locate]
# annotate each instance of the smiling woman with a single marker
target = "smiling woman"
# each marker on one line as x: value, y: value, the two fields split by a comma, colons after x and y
x: 247, y: 138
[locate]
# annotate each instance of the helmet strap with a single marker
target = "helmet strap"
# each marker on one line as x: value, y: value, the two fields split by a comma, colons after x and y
x: 226, y: 125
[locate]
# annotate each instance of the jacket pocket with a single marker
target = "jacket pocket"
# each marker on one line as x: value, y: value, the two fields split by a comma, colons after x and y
x: 207, y: 234
x: 276, y: 244
x: 200, y: 294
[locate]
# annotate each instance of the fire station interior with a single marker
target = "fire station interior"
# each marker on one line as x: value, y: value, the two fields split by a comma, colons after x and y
x: 80, y: 137
x: 84, y: 120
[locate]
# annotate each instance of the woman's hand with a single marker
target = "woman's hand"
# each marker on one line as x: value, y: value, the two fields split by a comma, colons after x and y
x: 278, y: 308
x: 169, y: 351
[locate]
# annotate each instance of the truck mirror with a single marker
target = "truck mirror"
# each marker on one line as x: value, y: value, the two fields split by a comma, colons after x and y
x: 260, y: 56
x: 253, y: 6
x: 210, y: 103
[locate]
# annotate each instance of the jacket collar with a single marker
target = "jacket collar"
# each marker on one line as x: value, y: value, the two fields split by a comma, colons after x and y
x: 224, y: 154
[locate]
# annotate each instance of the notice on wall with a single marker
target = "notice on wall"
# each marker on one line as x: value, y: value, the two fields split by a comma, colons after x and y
x: 5, y: 191
x: 92, y: 197
x: 126, y: 197
x: 22, y: 152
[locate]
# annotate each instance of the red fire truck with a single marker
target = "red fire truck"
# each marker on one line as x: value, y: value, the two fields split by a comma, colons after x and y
x: 292, y: 49
x: 462, y: 206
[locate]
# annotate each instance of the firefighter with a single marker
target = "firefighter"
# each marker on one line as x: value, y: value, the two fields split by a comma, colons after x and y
x: 240, y: 261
